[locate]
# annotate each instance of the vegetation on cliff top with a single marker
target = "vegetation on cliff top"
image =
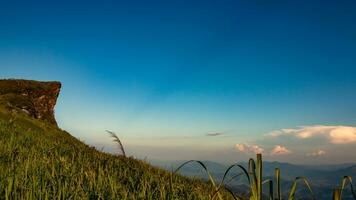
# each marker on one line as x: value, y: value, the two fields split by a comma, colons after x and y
x: 35, y: 98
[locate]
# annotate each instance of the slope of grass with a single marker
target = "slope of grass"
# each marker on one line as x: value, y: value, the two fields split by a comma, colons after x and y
x: 39, y: 161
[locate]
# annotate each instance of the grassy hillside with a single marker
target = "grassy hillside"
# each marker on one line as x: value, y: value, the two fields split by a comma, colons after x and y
x: 39, y: 161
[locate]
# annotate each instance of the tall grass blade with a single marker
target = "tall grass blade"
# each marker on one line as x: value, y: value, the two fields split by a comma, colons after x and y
x: 222, y: 186
x: 292, y: 191
x: 233, y: 195
x: 270, y: 183
x: 277, y: 172
x: 253, y: 178
x: 235, y: 176
x: 336, y: 193
x: 294, y: 187
x: 259, y: 176
x: 118, y: 141
x: 205, y: 169
x: 244, y: 172
x: 346, y: 179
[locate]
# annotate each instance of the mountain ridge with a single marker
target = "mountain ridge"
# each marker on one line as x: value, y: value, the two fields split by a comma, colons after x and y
x: 322, y: 179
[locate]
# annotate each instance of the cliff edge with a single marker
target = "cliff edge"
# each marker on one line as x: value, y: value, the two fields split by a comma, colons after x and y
x: 34, y: 98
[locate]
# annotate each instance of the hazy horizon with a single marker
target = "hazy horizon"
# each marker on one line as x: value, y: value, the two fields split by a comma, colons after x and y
x: 211, y: 80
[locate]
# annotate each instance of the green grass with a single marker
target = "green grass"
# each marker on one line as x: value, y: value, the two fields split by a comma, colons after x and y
x: 255, y: 182
x: 39, y: 161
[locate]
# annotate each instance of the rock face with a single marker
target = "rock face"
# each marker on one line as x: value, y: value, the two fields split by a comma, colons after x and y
x: 35, y: 98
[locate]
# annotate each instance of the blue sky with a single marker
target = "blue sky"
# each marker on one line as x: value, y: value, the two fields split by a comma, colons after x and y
x: 164, y: 74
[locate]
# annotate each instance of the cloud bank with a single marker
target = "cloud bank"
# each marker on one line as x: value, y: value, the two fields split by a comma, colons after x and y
x: 334, y: 134
x: 317, y: 153
x: 280, y: 150
x: 255, y: 149
x: 249, y: 148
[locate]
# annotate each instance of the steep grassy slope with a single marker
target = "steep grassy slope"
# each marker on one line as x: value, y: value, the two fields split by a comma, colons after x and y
x: 39, y: 161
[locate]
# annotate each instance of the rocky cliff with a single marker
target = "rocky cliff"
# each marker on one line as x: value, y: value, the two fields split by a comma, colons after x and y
x: 34, y: 98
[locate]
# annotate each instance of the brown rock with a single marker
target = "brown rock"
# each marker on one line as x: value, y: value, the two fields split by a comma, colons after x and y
x: 35, y: 98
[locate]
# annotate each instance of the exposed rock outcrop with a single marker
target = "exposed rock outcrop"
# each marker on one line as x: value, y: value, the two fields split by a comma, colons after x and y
x: 35, y: 98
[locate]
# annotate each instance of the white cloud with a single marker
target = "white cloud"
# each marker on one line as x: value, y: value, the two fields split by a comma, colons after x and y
x: 335, y: 134
x: 280, y: 150
x: 249, y: 148
x: 317, y: 153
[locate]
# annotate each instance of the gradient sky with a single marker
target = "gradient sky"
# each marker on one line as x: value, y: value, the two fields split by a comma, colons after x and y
x: 217, y: 80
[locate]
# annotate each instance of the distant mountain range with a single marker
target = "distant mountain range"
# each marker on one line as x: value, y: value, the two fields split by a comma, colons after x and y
x: 323, y: 178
